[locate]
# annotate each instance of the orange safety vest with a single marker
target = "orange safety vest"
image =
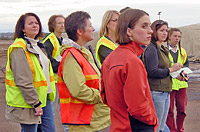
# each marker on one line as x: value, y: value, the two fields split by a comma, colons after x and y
x: 74, y: 111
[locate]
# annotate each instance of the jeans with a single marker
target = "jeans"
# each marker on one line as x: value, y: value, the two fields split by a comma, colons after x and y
x: 48, y: 123
x: 179, y: 98
x: 161, y: 102
x: 29, y: 127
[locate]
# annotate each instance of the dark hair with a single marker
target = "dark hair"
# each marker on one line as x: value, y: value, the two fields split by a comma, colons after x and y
x: 51, y: 22
x: 155, y: 26
x: 170, y: 33
x: 124, y: 9
x: 75, y: 21
x: 20, y: 26
x: 126, y: 20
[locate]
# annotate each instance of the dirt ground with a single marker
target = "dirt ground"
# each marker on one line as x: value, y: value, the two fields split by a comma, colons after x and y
x: 192, y: 123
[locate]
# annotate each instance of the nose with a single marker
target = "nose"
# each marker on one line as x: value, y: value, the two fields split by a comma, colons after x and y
x: 93, y: 29
x: 150, y: 30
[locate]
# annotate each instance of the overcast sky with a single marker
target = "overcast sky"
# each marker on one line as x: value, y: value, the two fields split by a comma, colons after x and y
x: 176, y: 12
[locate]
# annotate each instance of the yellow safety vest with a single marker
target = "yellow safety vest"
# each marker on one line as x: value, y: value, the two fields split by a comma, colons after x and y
x: 56, y: 45
x: 105, y: 42
x: 13, y: 93
x: 176, y: 84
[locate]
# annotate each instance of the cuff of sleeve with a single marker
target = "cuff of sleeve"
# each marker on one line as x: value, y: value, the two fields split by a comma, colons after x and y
x: 38, y: 104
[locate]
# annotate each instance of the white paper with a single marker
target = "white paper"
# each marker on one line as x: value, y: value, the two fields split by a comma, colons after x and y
x: 185, y: 69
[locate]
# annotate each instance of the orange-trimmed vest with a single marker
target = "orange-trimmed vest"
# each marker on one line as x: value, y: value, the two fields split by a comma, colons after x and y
x: 73, y: 110
x: 13, y: 93
x: 56, y: 45
x: 105, y: 42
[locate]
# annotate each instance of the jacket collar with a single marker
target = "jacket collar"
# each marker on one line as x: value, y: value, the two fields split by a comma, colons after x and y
x: 134, y: 47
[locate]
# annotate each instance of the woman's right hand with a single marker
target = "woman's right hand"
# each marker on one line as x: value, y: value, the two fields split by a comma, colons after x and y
x: 175, y: 67
x: 38, y: 111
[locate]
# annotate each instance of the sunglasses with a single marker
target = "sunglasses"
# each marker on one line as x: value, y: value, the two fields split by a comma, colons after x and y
x: 160, y: 23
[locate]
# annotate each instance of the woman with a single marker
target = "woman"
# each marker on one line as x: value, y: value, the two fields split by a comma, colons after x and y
x: 106, y: 43
x: 29, y: 78
x: 125, y: 86
x: 157, y: 64
x: 179, y: 94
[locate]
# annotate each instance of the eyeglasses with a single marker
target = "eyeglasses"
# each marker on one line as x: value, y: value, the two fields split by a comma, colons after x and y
x: 114, y: 20
x: 60, y: 23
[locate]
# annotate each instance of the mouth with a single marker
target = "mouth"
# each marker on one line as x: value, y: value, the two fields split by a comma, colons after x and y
x: 149, y: 38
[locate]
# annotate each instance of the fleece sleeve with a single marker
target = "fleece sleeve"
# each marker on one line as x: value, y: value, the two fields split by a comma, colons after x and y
x: 137, y: 93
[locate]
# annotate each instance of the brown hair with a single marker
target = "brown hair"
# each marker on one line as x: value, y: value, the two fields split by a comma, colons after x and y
x: 170, y: 33
x: 126, y: 20
x: 124, y: 9
x: 75, y: 21
x: 51, y: 22
x: 20, y: 26
x: 155, y: 26
x: 105, y: 20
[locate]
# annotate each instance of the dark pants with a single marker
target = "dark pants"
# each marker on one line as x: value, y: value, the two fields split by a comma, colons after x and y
x: 138, y: 126
x: 180, y: 98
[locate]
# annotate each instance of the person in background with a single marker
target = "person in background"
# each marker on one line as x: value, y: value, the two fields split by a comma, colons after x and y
x: 29, y: 78
x: 81, y: 106
x: 52, y: 43
x: 124, y: 9
x: 125, y: 87
x: 179, y: 93
x: 106, y: 44
x: 156, y: 61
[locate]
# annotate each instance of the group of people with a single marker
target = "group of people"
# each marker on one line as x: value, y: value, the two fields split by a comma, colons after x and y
x: 126, y: 87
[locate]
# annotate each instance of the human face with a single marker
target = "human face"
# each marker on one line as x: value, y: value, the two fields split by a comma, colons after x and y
x: 31, y: 27
x: 162, y: 33
x: 59, y: 25
x: 88, y: 34
x: 141, y: 33
x: 112, y: 24
x: 175, y: 37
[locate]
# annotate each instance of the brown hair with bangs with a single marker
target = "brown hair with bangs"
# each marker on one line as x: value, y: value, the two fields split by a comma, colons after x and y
x: 155, y: 26
x: 127, y: 19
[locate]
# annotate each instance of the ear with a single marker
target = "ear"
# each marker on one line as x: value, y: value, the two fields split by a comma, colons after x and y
x: 79, y: 32
x: 129, y: 32
x: 23, y: 30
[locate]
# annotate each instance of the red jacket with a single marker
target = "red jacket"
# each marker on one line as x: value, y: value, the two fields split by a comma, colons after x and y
x: 125, y: 88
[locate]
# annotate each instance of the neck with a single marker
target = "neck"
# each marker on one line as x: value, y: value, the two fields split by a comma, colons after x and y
x: 58, y: 34
x: 173, y: 45
x: 159, y: 42
x: 81, y: 42
x: 112, y: 36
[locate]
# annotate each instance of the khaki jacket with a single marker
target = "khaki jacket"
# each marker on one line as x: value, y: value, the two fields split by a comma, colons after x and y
x: 75, y: 79
x: 21, y: 69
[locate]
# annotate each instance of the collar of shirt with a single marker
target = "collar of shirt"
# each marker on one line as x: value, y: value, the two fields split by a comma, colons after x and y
x: 171, y: 48
x: 60, y: 40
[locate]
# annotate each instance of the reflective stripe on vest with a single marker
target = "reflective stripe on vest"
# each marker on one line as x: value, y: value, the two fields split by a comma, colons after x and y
x: 73, y: 110
x: 176, y: 84
x: 105, y: 42
x: 56, y: 45
x: 13, y: 93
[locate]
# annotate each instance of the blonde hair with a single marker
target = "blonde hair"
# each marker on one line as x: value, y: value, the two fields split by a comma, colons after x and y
x: 105, y: 20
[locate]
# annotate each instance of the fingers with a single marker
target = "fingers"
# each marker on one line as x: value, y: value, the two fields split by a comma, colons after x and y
x: 38, y: 111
